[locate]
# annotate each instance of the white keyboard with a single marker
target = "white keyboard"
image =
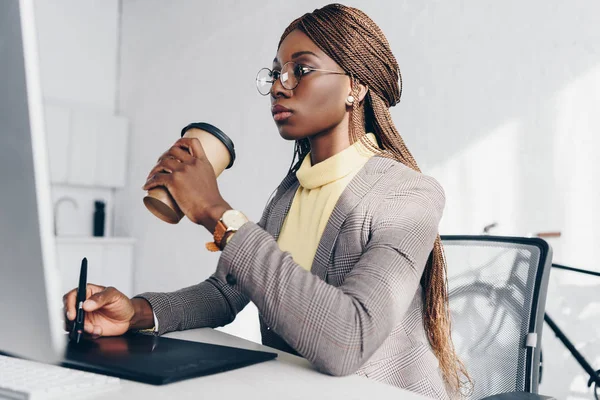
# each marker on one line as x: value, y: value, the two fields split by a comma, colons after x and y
x: 24, y: 379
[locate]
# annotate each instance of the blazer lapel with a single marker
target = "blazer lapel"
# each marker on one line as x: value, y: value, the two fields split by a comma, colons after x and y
x: 281, y: 205
x: 356, y: 190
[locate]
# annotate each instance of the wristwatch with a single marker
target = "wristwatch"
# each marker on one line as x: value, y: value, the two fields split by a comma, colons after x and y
x: 230, y: 222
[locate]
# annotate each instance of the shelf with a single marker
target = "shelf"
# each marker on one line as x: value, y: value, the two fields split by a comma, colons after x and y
x: 93, y: 240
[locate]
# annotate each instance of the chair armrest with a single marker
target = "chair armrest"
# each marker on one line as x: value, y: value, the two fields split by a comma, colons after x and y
x: 518, y: 396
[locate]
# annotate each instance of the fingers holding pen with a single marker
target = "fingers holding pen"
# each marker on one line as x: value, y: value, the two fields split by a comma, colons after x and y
x: 100, y: 299
x: 70, y: 302
x: 95, y: 331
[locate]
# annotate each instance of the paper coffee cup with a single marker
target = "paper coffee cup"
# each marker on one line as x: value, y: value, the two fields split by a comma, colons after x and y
x: 219, y: 151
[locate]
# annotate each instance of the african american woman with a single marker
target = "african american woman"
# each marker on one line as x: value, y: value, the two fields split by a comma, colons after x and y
x: 345, y: 266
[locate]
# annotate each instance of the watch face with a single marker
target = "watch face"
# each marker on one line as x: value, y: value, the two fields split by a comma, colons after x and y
x: 234, y: 219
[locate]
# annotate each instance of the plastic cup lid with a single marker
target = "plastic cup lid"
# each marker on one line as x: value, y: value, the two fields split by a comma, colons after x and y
x: 218, y: 134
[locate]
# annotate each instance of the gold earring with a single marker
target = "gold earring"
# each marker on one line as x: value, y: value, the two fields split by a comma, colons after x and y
x: 350, y: 100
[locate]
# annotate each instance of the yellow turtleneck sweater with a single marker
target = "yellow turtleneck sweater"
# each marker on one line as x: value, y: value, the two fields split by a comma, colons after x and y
x: 320, y: 188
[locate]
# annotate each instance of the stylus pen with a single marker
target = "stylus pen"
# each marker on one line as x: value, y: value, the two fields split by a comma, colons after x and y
x: 81, y: 295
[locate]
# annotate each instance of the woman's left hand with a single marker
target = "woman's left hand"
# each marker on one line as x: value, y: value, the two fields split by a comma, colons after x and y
x: 190, y: 178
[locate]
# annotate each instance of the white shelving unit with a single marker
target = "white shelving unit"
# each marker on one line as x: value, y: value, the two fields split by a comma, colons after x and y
x: 87, y: 139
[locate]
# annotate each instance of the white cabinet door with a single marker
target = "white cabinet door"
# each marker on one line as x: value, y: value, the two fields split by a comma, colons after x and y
x: 58, y: 129
x: 109, y: 264
x: 86, y: 148
x: 111, y: 152
x: 69, y: 263
x: 98, y: 149
x: 118, y: 270
x: 82, y: 152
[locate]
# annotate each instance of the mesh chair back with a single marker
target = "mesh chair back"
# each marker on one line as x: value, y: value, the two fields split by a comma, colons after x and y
x: 497, y: 290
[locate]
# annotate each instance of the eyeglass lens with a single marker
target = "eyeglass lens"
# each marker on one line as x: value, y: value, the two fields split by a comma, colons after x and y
x: 289, y: 76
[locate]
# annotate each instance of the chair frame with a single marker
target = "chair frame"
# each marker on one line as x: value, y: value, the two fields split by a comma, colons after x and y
x: 536, y: 317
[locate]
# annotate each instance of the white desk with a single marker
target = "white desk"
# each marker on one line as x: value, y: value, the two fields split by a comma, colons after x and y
x: 287, y: 377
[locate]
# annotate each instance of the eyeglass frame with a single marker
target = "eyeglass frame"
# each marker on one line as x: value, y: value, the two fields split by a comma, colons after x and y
x: 304, y: 68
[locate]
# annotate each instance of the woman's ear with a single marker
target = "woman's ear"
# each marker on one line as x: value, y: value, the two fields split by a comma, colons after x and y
x: 358, y: 97
x: 362, y: 92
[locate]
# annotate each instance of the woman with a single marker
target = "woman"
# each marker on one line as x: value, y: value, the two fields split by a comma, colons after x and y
x: 345, y: 266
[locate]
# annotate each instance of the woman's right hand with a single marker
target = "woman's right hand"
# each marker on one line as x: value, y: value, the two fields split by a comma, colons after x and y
x: 108, y: 312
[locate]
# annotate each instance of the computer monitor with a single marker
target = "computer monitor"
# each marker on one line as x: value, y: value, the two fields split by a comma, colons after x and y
x: 30, y: 292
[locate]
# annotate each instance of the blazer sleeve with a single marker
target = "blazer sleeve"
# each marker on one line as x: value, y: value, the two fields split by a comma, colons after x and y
x: 338, y: 328
x: 211, y: 303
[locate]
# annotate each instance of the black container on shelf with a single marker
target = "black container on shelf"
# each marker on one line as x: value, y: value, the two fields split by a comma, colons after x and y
x: 99, y: 218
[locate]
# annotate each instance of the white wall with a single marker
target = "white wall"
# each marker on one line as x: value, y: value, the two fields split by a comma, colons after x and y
x: 78, y: 43
x: 500, y: 104
x: 78, y: 48
x: 507, y: 119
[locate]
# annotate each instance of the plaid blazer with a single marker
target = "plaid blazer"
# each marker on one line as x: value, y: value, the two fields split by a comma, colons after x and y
x: 359, y: 309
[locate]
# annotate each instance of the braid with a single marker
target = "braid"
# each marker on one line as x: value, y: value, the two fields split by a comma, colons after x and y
x: 356, y: 43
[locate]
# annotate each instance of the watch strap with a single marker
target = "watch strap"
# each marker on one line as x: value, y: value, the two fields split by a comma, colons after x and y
x: 217, y: 243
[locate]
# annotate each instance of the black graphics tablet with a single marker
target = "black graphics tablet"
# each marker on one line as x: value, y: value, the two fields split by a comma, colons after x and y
x: 157, y: 360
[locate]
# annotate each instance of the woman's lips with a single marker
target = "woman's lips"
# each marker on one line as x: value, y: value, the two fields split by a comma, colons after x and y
x: 282, y: 116
x: 280, y: 113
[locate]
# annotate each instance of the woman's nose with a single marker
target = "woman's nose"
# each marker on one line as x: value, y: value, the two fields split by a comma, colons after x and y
x: 277, y: 90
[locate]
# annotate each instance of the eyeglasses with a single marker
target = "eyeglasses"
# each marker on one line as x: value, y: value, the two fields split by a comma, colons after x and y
x: 289, y: 75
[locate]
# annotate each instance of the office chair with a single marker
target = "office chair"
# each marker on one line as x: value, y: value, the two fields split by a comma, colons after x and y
x: 497, y: 291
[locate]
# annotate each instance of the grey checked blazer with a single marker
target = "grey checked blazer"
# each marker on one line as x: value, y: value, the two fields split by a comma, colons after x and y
x: 359, y: 310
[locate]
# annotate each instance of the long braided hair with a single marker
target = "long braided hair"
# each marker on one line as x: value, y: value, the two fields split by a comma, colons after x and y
x: 358, y: 46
